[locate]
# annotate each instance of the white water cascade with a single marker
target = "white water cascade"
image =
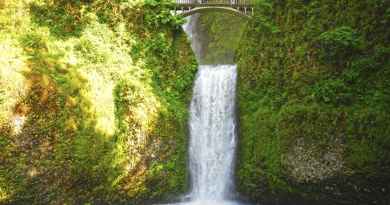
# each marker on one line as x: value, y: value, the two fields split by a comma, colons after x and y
x: 212, y: 130
x: 213, y: 135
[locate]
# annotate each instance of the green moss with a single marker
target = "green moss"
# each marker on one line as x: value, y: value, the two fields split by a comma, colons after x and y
x: 307, y: 74
x: 336, y: 46
x: 105, y: 103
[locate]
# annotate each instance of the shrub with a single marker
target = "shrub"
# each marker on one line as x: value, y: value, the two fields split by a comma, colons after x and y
x: 339, y: 45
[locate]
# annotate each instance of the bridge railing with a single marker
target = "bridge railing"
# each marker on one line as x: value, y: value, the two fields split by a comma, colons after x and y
x: 215, y: 2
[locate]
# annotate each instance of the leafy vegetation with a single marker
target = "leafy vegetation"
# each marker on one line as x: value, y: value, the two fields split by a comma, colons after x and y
x: 94, y: 101
x: 313, y: 78
x: 94, y: 94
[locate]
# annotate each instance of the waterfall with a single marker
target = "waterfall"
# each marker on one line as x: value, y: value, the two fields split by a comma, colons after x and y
x: 212, y: 128
x: 212, y: 136
x: 212, y: 133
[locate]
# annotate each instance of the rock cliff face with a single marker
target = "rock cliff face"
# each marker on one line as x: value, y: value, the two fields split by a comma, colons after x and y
x: 93, y: 102
x: 313, y: 103
x: 308, y: 163
x: 312, y: 92
x: 94, y: 95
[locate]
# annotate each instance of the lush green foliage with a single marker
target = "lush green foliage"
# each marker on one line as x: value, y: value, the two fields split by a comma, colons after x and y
x: 338, y: 45
x: 94, y: 101
x: 313, y: 82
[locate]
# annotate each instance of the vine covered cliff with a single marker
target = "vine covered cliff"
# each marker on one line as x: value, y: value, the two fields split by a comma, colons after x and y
x: 93, y: 102
x: 314, y: 98
x: 94, y: 97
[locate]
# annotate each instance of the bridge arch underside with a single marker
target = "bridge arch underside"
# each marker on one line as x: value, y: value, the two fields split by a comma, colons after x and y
x: 231, y: 10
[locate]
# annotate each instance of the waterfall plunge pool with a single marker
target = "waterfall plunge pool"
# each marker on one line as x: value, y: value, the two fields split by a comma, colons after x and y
x: 208, y: 202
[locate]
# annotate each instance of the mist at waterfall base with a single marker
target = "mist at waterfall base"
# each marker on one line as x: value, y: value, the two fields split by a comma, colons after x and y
x: 212, y: 127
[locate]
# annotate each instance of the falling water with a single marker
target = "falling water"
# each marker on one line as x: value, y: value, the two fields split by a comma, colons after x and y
x: 213, y: 137
x: 212, y: 129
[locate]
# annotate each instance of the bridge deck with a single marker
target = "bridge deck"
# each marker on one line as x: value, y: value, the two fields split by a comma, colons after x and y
x: 214, y: 2
x: 188, y: 6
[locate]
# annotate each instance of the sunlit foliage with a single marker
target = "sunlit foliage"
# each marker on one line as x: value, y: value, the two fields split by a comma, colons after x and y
x: 93, y: 102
